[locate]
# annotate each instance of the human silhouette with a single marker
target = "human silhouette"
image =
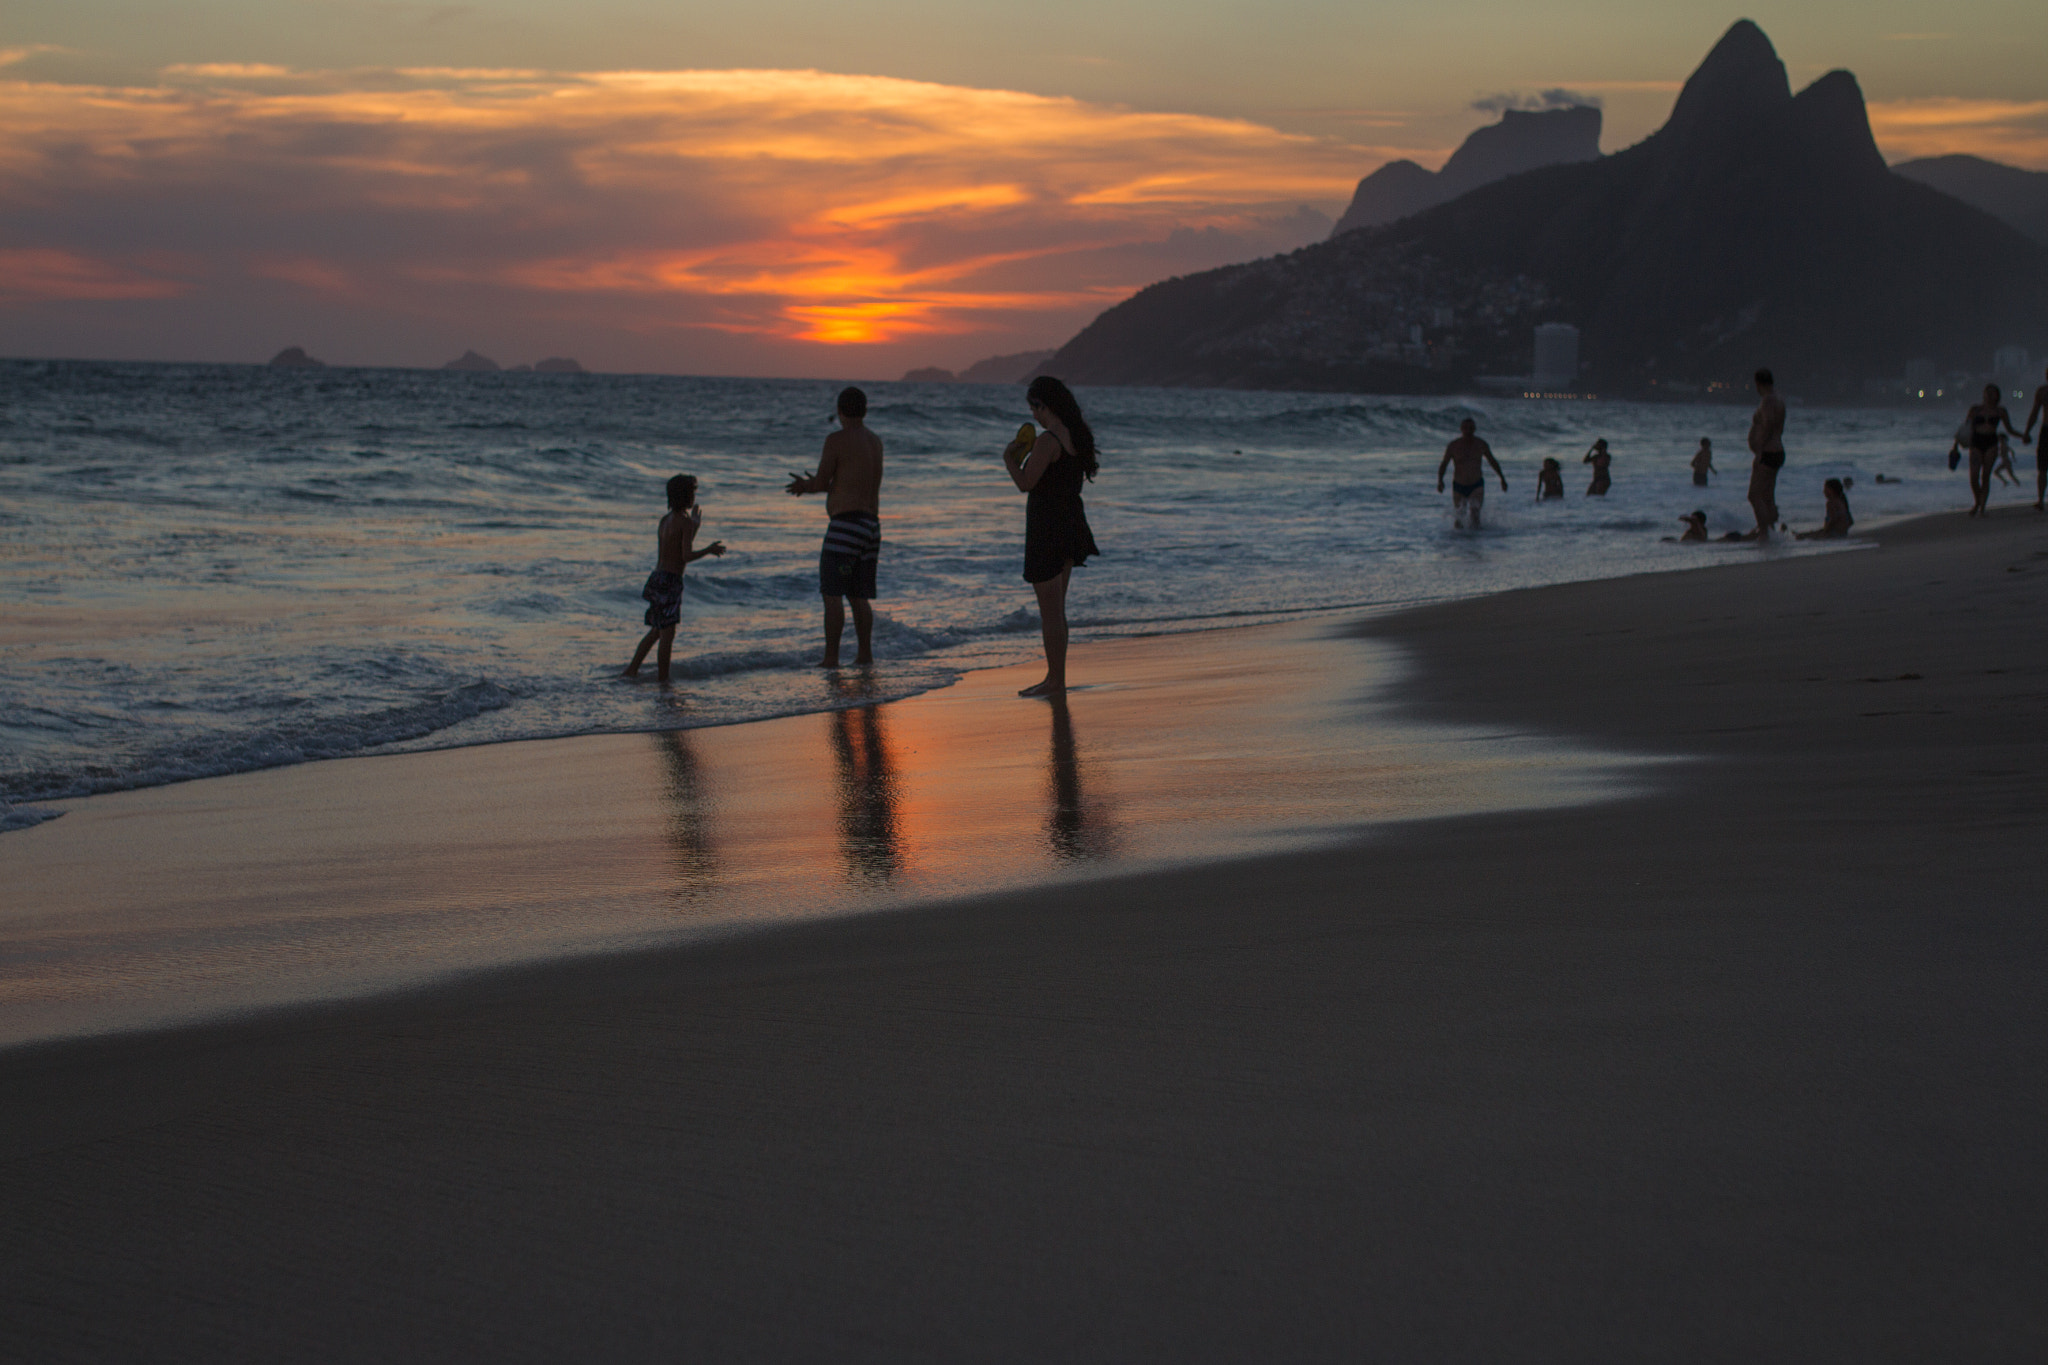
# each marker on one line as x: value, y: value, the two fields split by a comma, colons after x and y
x: 1049, y: 468
x: 1463, y: 457
x: 1600, y: 459
x: 849, y: 474
x: 1767, y: 447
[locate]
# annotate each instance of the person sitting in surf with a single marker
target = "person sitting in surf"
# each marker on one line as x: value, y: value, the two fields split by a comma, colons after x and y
x: 1837, y: 520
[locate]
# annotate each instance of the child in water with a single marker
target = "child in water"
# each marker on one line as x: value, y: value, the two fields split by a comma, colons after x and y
x: 1838, y: 520
x: 1703, y: 463
x: 1550, y: 481
x: 1695, y: 526
x: 664, y: 589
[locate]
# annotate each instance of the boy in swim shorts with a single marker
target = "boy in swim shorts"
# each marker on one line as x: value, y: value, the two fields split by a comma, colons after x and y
x: 664, y: 587
x: 1468, y: 476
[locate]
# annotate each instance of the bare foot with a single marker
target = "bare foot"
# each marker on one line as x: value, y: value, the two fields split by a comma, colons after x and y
x: 828, y: 663
x: 1043, y: 689
x: 863, y: 660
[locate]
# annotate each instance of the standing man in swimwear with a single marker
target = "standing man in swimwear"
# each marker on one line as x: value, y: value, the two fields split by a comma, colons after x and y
x: 1468, y: 477
x: 2040, y: 409
x: 1767, y: 444
x: 850, y: 476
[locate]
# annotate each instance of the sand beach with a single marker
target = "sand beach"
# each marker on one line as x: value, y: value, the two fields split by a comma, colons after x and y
x: 1640, y: 969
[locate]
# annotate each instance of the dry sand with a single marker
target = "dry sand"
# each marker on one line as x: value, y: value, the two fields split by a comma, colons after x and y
x: 1749, y: 1066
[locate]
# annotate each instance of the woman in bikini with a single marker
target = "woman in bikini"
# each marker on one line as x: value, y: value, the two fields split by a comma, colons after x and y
x: 1049, y: 467
x: 1984, y: 421
x: 1599, y: 459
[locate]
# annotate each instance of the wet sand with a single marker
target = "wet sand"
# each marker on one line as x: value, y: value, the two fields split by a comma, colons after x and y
x: 1749, y: 1064
x: 184, y: 903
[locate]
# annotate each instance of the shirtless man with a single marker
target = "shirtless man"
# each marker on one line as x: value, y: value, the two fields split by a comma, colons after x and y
x: 1468, y: 476
x: 2040, y: 409
x: 850, y: 476
x: 1767, y: 444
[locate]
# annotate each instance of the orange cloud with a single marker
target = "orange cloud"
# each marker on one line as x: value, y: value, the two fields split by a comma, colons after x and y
x: 808, y: 206
x: 2013, y: 131
x: 50, y: 273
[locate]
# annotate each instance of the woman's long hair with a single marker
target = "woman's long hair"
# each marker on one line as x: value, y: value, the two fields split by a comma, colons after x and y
x: 1058, y: 399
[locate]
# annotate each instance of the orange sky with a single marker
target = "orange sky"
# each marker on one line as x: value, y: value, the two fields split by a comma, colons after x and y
x: 716, y: 221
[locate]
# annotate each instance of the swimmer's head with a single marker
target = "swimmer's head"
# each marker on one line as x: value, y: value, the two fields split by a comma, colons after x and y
x: 852, y: 402
x: 1549, y: 463
x: 1695, y: 515
x: 1468, y: 426
x: 1833, y: 486
x: 682, y: 491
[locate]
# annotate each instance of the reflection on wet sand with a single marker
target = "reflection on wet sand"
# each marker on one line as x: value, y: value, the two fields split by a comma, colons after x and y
x: 870, y: 837
x: 689, y: 815
x: 1079, y: 829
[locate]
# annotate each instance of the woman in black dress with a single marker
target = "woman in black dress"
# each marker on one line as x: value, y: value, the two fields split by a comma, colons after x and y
x: 1049, y: 467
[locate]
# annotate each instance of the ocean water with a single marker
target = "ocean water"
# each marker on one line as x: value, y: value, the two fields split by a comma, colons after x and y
x: 212, y: 569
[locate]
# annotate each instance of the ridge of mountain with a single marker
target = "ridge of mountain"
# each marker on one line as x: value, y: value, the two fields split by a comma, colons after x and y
x: 2016, y: 197
x: 1755, y: 227
x: 1523, y: 140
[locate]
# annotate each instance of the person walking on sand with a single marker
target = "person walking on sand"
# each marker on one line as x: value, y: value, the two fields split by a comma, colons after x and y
x: 673, y: 540
x: 850, y: 476
x: 1600, y: 460
x: 1468, y: 476
x: 1984, y: 421
x: 2040, y: 409
x: 1703, y: 463
x: 1767, y: 446
x: 1049, y: 468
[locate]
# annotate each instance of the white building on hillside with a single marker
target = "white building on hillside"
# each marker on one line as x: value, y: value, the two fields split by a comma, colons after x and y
x: 1557, y: 357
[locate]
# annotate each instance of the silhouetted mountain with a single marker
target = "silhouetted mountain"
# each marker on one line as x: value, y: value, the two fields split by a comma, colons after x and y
x: 1521, y: 141
x: 295, y: 358
x: 930, y: 374
x: 470, y: 360
x: 1005, y: 369
x: 1755, y: 227
x: 2015, y: 197
x: 559, y: 364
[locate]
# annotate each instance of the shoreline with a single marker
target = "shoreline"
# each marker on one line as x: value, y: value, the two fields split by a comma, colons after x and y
x: 1863, y: 538
x: 1749, y: 1064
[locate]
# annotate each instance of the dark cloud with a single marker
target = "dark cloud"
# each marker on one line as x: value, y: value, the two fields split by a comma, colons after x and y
x: 1556, y: 98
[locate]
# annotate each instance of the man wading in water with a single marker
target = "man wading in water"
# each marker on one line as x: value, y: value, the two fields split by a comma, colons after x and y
x: 1468, y: 477
x: 850, y: 476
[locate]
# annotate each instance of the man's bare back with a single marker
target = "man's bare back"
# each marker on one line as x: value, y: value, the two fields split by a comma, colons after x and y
x: 850, y: 470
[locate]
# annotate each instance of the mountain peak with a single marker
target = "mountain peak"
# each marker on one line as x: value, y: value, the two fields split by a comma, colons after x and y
x: 1835, y: 126
x: 1740, y: 79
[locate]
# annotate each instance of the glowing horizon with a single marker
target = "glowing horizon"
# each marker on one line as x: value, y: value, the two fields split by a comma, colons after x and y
x: 742, y: 220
